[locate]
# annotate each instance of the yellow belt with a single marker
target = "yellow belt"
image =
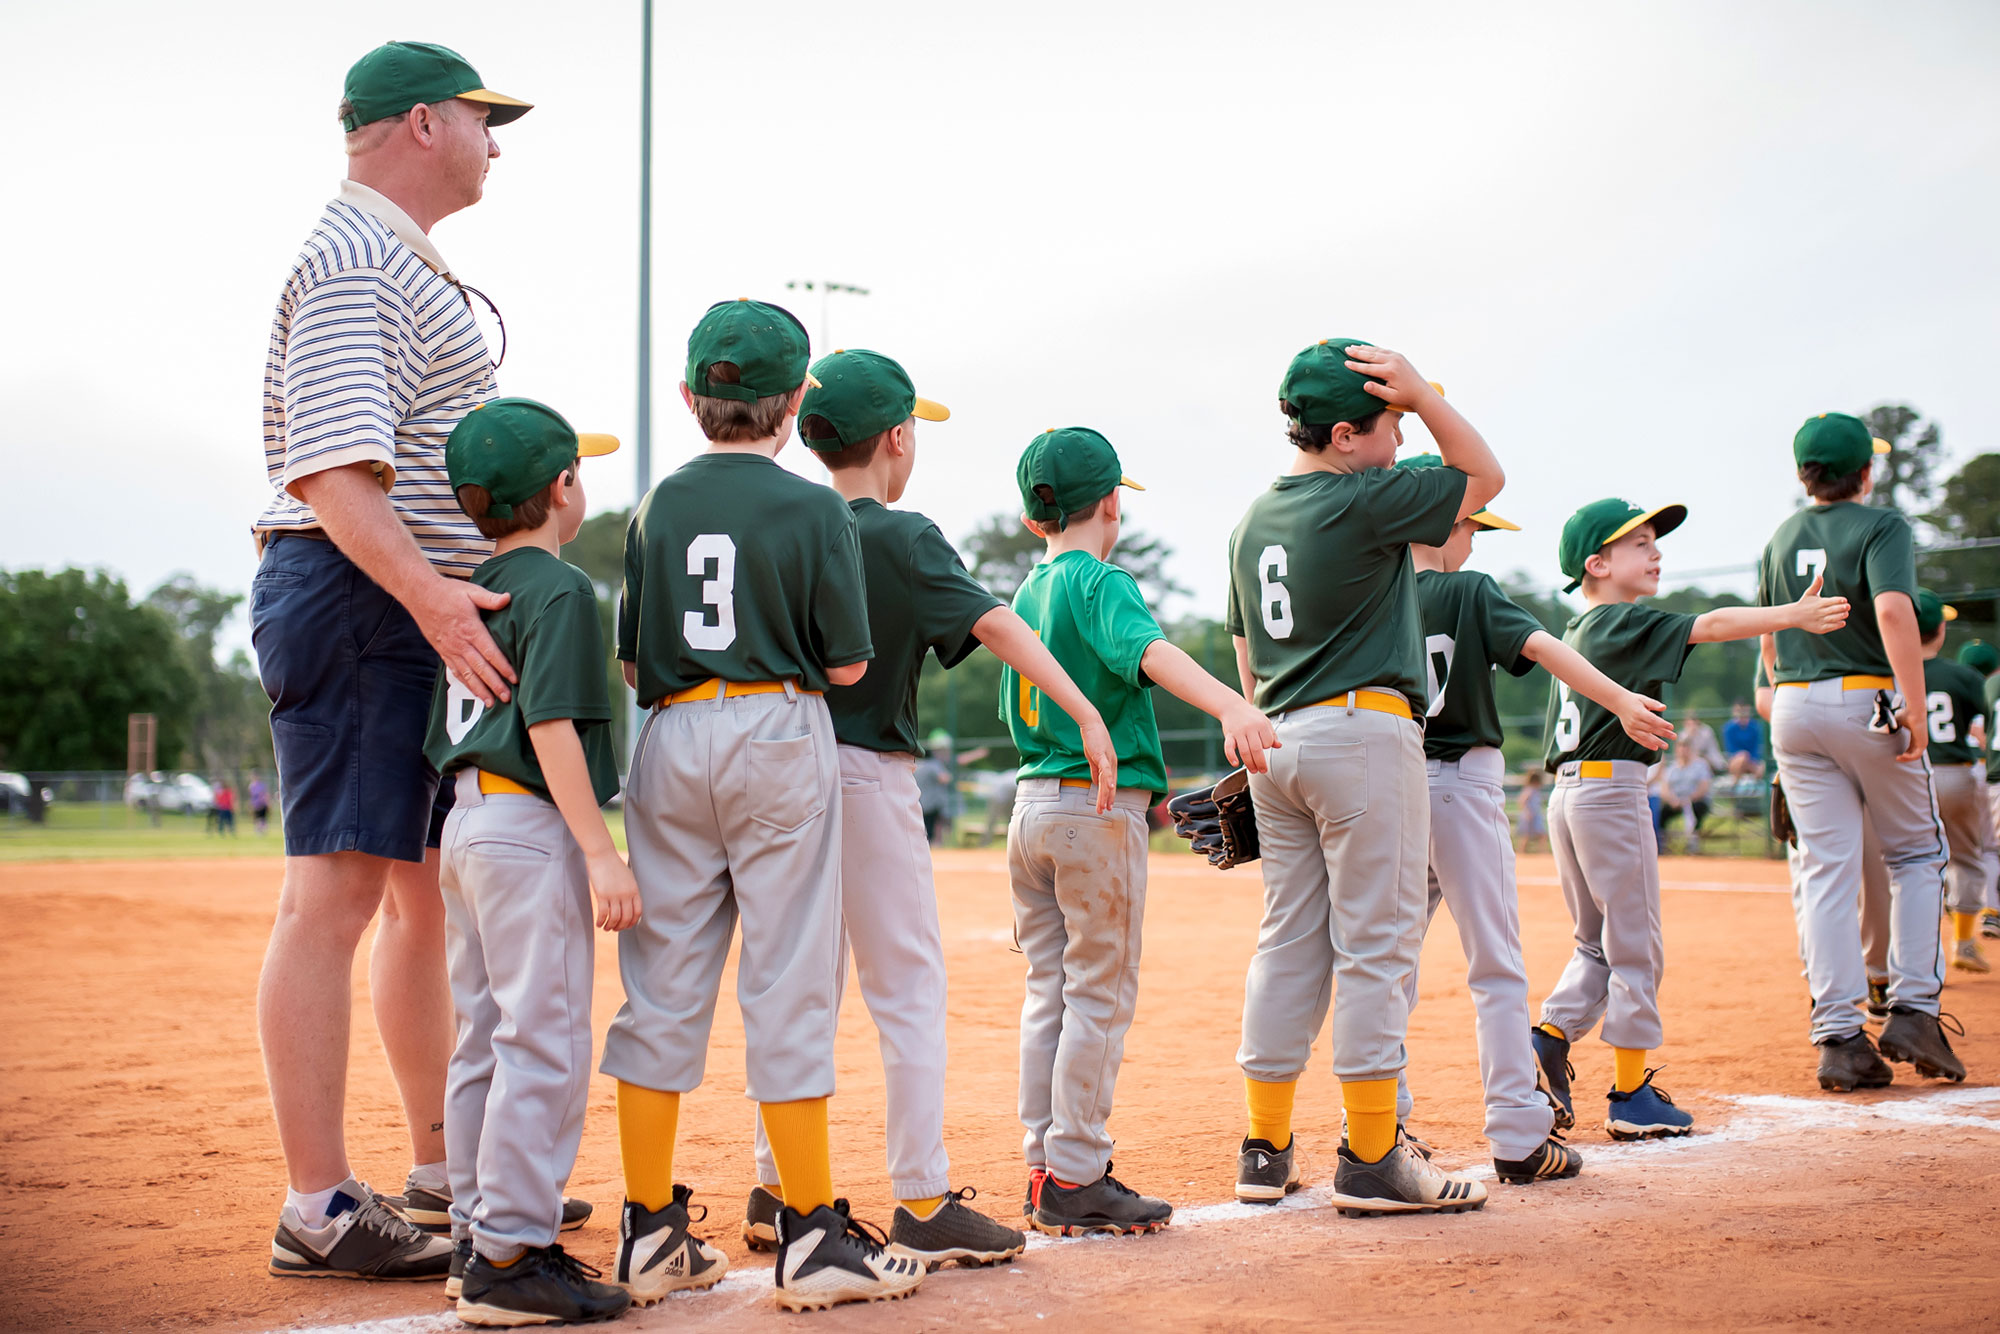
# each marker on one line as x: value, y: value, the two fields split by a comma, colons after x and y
x: 1376, y: 701
x: 1594, y: 769
x: 1075, y: 782
x: 717, y: 688
x: 1851, y: 683
x: 490, y: 783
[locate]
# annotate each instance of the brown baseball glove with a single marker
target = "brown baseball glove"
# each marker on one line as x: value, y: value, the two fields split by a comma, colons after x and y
x: 1220, y: 821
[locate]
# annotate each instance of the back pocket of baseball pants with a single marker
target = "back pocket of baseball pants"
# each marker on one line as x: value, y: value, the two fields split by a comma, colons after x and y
x: 1333, y: 780
x: 785, y: 792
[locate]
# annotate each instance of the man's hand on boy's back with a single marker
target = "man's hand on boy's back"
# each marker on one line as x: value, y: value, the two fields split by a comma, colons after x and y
x: 1819, y: 615
x: 616, y: 891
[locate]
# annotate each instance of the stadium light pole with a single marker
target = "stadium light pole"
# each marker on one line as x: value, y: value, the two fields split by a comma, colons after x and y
x: 642, y: 441
x: 825, y: 290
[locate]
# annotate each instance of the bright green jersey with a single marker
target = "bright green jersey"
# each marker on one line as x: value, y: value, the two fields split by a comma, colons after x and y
x: 1954, y: 699
x: 920, y: 600
x: 1862, y: 550
x: 1470, y: 629
x: 1321, y: 585
x: 1091, y: 618
x: 1642, y: 649
x: 736, y: 568
x: 549, y: 632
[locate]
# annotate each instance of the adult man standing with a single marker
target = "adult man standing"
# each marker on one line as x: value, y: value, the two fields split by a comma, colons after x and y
x: 361, y: 589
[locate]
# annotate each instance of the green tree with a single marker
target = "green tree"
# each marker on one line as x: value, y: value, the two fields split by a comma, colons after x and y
x: 229, y: 728
x: 1968, y: 508
x: 1002, y: 551
x: 1908, y: 479
x: 76, y: 658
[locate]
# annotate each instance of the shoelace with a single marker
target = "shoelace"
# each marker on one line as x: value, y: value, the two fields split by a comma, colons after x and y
x: 564, y: 1263
x: 380, y: 1219
x: 872, y: 1238
x: 1116, y: 1184
x: 1956, y: 1027
x: 1658, y: 1092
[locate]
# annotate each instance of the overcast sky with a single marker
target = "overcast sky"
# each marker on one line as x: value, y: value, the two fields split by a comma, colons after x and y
x: 1638, y: 244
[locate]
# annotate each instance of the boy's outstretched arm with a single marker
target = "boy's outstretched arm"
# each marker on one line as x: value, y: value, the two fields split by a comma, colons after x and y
x: 1811, y: 613
x: 560, y: 754
x: 1246, y: 733
x: 1638, y: 715
x: 1014, y: 642
x: 1459, y: 444
x: 1896, y: 615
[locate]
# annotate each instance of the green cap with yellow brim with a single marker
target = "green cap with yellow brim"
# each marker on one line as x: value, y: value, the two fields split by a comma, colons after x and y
x: 1932, y: 611
x: 1837, y: 442
x: 1323, y: 390
x: 514, y: 447
x: 398, y: 75
x: 1602, y: 522
x: 1065, y: 469
x: 765, y: 343
x: 1981, y: 657
x: 1485, y: 518
x: 861, y: 394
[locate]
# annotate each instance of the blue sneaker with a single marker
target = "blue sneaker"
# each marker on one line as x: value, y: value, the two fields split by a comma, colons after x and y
x: 1553, y: 1073
x: 1645, y: 1113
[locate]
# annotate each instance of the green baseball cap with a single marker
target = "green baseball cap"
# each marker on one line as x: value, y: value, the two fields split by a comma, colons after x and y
x: 1602, y: 522
x: 398, y: 75
x: 1981, y: 656
x: 1322, y: 388
x: 861, y: 394
x: 1932, y: 611
x: 1485, y: 518
x: 766, y: 343
x: 1077, y: 465
x: 1837, y: 442
x: 514, y: 447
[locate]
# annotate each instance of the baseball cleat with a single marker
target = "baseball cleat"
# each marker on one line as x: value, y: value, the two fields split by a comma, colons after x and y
x: 1918, y: 1039
x: 1850, y: 1063
x: 1645, y: 1113
x: 1104, y: 1205
x: 363, y: 1238
x: 430, y: 1208
x: 1264, y: 1174
x: 1554, y: 1161
x: 826, y: 1257
x: 545, y: 1286
x: 1968, y: 957
x: 1403, y: 1182
x: 1878, y: 997
x: 658, y: 1255
x: 1419, y: 1146
x: 760, y: 1218
x: 1989, y: 924
x: 1553, y: 1072
x: 1036, y: 1176
x: 954, y: 1232
x: 454, y: 1278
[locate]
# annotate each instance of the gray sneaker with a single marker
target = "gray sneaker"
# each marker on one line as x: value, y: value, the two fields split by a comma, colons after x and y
x: 1403, y: 1182
x: 954, y: 1232
x: 430, y: 1209
x: 364, y: 1238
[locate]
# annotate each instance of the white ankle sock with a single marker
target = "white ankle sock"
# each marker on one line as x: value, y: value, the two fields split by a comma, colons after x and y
x: 310, y: 1205
x: 431, y: 1176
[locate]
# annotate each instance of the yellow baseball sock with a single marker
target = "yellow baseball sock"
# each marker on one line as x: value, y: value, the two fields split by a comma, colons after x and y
x: 507, y: 1264
x: 1628, y: 1068
x: 797, y: 1131
x: 648, y: 1120
x: 1371, y: 1117
x: 1270, y: 1104
x: 1554, y: 1032
x: 925, y: 1207
x: 1963, y: 924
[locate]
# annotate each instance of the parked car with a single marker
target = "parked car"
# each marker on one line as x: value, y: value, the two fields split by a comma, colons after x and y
x: 15, y: 791
x: 180, y: 793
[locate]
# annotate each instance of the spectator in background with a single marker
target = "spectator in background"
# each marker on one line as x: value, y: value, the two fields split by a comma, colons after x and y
x: 937, y: 784
x: 1684, y: 791
x: 1529, y: 822
x: 1700, y: 739
x: 1743, y: 744
x: 260, y: 803
x: 225, y: 808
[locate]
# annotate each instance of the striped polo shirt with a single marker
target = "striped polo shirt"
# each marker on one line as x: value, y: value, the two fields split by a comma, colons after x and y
x: 375, y: 356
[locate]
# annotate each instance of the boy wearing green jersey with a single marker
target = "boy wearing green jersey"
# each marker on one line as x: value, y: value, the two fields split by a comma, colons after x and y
x: 1079, y: 866
x: 1600, y: 827
x: 1955, y: 720
x: 524, y: 847
x: 1984, y: 659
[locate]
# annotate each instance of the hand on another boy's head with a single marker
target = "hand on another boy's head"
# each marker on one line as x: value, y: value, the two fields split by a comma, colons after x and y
x: 1396, y: 381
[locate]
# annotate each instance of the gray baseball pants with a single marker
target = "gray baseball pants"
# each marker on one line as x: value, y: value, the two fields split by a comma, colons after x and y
x: 1343, y: 819
x: 732, y: 807
x: 1472, y: 873
x: 1601, y: 831
x: 519, y: 945
x: 1834, y: 769
x: 1079, y: 882
x: 1961, y: 799
x: 1874, y: 901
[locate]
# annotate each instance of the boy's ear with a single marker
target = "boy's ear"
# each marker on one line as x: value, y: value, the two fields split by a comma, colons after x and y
x: 899, y: 439
x: 1343, y: 437
x: 798, y: 397
x: 1117, y: 506
x: 687, y: 395
x: 556, y: 494
x: 1032, y: 526
x: 1596, y: 566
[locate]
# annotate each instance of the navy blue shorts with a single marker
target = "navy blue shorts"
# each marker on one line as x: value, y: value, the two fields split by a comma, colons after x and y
x: 350, y: 680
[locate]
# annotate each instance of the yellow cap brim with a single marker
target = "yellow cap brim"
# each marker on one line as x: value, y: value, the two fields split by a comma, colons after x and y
x: 931, y: 412
x: 491, y: 98
x: 1950, y: 612
x: 1127, y: 481
x: 1881, y: 446
x: 1434, y: 384
x: 1647, y: 517
x: 591, y: 446
x: 1488, y: 519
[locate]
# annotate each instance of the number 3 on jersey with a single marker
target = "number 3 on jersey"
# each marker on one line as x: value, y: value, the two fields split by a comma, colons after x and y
x: 1438, y: 653
x: 717, y: 593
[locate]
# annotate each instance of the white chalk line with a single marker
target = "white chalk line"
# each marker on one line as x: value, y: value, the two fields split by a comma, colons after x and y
x: 1757, y: 1117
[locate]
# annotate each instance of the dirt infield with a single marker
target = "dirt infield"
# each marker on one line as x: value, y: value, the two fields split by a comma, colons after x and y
x: 140, y: 1179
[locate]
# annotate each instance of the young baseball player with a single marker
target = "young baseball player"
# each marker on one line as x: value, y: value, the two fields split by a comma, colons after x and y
x: 1984, y: 659
x: 1955, y: 719
x: 1078, y: 863
x: 1842, y: 746
x: 862, y: 422
x: 1330, y: 642
x: 1471, y: 629
x: 524, y: 848
x: 1531, y: 824
x: 743, y: 602
x: 1600, y: 826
